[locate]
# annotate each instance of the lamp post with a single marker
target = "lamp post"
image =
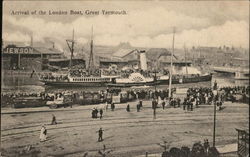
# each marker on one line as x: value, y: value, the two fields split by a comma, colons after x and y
x: 214, y: 124
x: 171, y: 68
x: 155, y: 80
x: 214, y: 93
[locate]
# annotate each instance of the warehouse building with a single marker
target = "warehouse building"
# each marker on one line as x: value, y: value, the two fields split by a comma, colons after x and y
x: 27, y: 57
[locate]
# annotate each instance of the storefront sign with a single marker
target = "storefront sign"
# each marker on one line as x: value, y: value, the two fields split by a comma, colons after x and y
x: 19, y: 50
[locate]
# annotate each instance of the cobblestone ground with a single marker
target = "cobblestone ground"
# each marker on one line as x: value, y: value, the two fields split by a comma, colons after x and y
x: 126, y: 133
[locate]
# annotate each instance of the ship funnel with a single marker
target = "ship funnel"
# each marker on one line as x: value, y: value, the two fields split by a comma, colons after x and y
x: 143, y: 60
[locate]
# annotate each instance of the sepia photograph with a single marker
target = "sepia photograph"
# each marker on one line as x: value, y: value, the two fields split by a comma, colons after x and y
x: 146, y: 78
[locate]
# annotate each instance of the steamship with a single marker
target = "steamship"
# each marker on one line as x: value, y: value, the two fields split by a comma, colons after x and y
x: 179, y: 77
x: 136, y: 79
x: 90, y: 78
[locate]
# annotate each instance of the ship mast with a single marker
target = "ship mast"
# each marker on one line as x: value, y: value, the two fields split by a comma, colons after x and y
x: 71, y: 48
x: 171, y: 67
x: 91, y: 57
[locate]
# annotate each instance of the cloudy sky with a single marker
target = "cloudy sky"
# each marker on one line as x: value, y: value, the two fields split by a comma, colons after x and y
x: 146, y: 23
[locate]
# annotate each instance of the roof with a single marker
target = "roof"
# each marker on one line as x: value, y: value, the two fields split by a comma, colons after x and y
x: 245, y: 130
x: 176, y: 61
x: 62, y: 59
x: 123, y: 52
x: 111, y: 59
x: 45, y: 50
x: 156, y: 53
x: 152, y: 53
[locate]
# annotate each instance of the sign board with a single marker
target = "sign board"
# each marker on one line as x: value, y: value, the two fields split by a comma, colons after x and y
x: 18, y: 50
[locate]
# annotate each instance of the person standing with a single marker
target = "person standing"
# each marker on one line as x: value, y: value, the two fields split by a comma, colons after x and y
x: 43, y: 134
x: 154, y: 105
x: 138, y: 107
x: 206, y: 146
x: 163, y: 104
x: 192, y: 104
x: 128, y: 108
x: 96, y: 113
x: 184, y: 104
x: 112, y: 106
x: 206, y: 99
x: 100, y: 133
x: 215, y: 85
x: 93, y: 113
x: 153, y: 101
x: 53, y: 120
x: 101, y: 113
x: 140, y: 103
x: 106, y: 106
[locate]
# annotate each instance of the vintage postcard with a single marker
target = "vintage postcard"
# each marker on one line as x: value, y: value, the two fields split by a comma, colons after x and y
x: 145, y: 78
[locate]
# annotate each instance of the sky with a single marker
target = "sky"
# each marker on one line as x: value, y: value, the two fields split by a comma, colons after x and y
x: 145, y: 24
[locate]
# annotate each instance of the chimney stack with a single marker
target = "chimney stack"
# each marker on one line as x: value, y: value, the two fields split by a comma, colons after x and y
x: 143, y: 60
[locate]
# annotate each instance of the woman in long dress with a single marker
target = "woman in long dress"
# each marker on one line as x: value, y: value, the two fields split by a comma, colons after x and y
x: 43, y: 134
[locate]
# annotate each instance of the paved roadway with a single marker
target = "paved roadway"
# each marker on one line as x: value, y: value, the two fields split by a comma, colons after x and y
x: 127, y: 134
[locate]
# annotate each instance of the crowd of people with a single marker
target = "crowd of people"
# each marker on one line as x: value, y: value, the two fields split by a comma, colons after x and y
x: 84, y: 72
x: 194, y: 97
x: 50, y: 76
x: 126, y: 73
x: 198, y: 150
x: 72, y: 73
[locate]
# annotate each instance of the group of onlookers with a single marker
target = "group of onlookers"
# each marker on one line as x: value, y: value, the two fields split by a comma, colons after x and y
x: 198, y: 150
x: 84, y: 72
x: 196, y: 96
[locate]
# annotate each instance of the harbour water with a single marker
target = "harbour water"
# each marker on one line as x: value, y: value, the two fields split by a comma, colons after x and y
x: 32, y: 85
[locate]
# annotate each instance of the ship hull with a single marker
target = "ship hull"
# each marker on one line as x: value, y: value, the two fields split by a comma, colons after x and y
x: 75, y: 84
x: 131, y: 84
x: 184, y: 80
x: 181, y: 80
